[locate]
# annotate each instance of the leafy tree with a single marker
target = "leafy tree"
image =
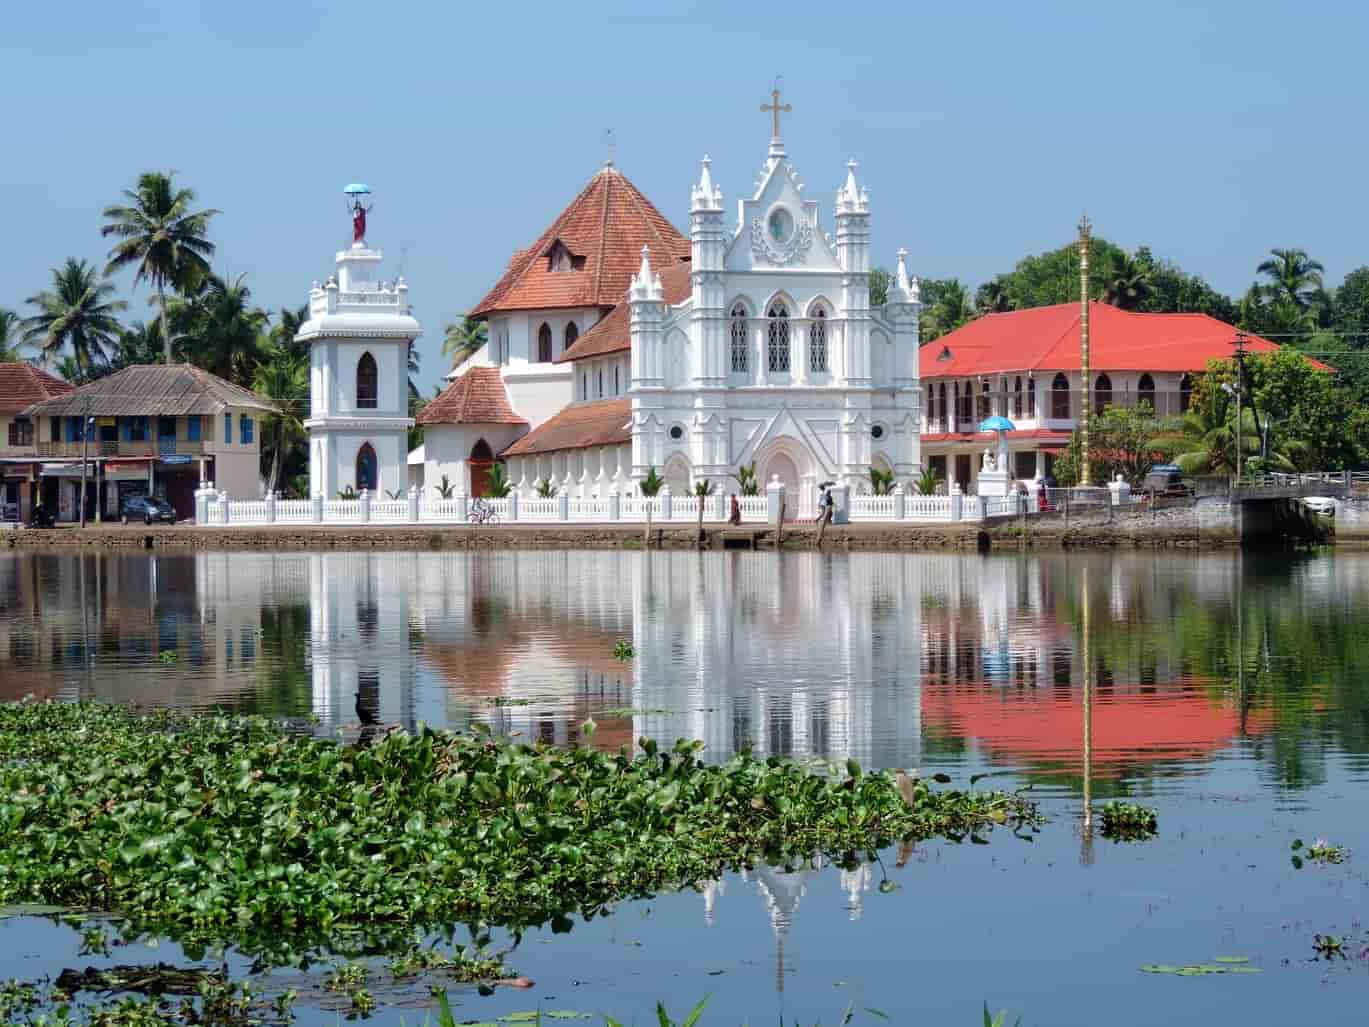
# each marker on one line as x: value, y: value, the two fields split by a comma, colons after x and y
x: 993, y: 297
x: 1314, y: 420
x: 703, y: 488
x: 162, y: 238
x: 545, y: 489
x: 928, y: 481
x: 1350, y: 305
x: 1293, y: 276
x: 287, y: 326
x: 880, y: 278
x: 945, y: 307
x: 224, y: 331
x: 1174, y: 291
x: 747, y: 482
x: 1122, y: 441
x: 881, y: 482
x: 78, y: 312
x: 462, y: 339
x: 1126, y: 281
x: 139, y: 343
x: 283, y: 378
x: 651, y: 485
x: 11, y: 342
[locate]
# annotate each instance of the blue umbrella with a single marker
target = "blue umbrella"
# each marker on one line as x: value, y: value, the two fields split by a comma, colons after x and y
x: 996, y: 423
x: 357, y: 189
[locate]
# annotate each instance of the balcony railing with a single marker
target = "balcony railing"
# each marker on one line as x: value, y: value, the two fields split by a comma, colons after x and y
x: 126, y: 450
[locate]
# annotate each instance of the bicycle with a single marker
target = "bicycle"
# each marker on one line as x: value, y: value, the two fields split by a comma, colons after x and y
x: 483, y: 512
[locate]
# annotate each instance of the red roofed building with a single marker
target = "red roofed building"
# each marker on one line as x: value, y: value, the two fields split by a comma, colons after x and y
x: 21, y: 386
x: 1025, y: 365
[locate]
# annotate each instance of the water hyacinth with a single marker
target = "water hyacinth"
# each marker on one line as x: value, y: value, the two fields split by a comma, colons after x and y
x: 217, y: 828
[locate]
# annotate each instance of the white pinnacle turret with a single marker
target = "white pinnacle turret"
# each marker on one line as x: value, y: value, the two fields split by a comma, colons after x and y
x: 901, y: 275
x: 645, y: 285
x: 705, y: 195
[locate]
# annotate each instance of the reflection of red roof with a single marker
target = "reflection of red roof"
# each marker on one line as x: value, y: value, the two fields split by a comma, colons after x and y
x: 22, y: 385
x: 604, y: 230
x: 1047, y: 339
x: 610, y: 335
x: 1129, y: 727
x: 606, y: 422
x: 477, y: 397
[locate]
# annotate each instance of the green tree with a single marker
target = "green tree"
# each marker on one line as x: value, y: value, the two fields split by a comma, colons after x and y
x: 462, y: 339
x: 139, y: 343
x: 879, y: 286
x: 77, y: 312
x: 287, y: 326
x: 881, y: 482
x: 747, y: 483
x: 499, y: 484
x: 224, y: 332
x: 1293, y: 276
x: 993, y: 297
x: 11, y: 341
x: 703, y: 488
x: 1126, y: 281
x: 1350, y: 305
x: 946, y: 306
x: 283, y: 378
x: 162, y: 238
x: 1123, y: 441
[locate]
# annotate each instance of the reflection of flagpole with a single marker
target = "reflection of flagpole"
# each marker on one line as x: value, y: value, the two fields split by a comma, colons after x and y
x: 1086, y: 845
x: 1240, y: 638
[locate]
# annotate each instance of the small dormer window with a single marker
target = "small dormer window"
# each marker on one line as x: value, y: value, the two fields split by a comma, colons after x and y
x: 561, y: 259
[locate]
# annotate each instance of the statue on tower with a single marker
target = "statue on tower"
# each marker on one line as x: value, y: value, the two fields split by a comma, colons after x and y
x: 354, y: 193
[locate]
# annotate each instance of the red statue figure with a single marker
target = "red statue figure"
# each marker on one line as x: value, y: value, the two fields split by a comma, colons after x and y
x: 358, y: 222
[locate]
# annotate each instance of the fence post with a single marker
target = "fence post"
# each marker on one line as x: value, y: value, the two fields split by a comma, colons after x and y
x: 719, y: 505
x: 463, y: 507
x: 513, y: 505
x: 413, y: 503
x: 900, y: 502
x: 841, y: 503
x: 615, y: 504
x: 665, y: 502
x: 774, y: 500
x: 365, y: 505
x: 318, y: 507
x: 957, y: 502
x: 270, y: 508
x: 224, y: 514
x: 563, y: 504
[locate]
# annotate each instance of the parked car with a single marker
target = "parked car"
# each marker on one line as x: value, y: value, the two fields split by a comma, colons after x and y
x: 9, y: 511
x: 147, y: 509
x: 1165, y: 480
x: 1323, y: 505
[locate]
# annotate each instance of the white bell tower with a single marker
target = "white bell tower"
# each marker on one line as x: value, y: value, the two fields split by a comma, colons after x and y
x: 359, y: 331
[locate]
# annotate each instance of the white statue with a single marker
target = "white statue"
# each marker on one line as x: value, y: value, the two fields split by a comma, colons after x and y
x: 990, y: 461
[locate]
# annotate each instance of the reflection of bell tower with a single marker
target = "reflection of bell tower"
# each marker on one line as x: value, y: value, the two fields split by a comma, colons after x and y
x: 782, y: 892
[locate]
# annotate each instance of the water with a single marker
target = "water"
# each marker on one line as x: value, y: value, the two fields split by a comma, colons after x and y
x: 1227, y: 691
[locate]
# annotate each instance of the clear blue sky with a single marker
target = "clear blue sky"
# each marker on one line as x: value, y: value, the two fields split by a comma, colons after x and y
x: 982, y: 129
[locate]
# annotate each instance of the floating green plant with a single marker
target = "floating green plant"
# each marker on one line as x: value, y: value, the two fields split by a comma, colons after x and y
x: 623, y: 650
x: 1128, y: 822
x: 1319, y: 851
x: 1220, y: 965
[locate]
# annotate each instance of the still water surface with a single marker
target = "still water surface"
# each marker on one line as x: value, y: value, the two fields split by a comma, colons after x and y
x: 1228, y: 691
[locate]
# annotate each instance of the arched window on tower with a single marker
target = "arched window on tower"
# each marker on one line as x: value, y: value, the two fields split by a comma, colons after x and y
x: 1017, y: 396
x: 368, y: 383
x: 366, y: 468
x: 571, y: 334
x: 1145, y: 391
x: 740, y: 344
x: 817, y: 341
x: 1102, y: 393
x: 777, y: 335
x: 945, y: 425
x: 544, y: 344
x: 1060, y: 397
x: 1185, y: 393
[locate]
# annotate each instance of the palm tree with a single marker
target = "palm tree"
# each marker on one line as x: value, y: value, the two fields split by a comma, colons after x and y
x: 77, y: 312
x: 283, y: 378
x: 1293, y: 276
x: 703, y: 488
x: 11, y: 345
x: 139, y: 343
x: 461, y: 339
x: 927, y: 481
x: 225, y: 330
x: 162, y: 237
x: 952, y: 309
x: 1207, y: 440
x: 1126, y: 281
x: 499, y: 484
x: 287, y: 326
x: 881, y: 482
x: 650, y: 487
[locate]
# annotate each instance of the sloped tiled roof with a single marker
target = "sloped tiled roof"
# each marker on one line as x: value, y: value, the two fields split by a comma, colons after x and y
x: 1047, y: 339
x: 611, y: 334
x: 605, y: 422
x: 167, y: 390
x: 604, y: 228
x: 477, y: 397
x: 22, y: 385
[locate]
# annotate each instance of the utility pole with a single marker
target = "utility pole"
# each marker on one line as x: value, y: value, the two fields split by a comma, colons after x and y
x: 1085, y: 230
x: 1240, y: 387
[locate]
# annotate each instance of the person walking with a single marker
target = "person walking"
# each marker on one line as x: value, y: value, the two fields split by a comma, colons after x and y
x: 734, y: 513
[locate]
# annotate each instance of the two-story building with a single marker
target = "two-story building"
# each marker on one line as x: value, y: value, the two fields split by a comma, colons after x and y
x: 1026, y: 365
x: 21, y: 386
x: 150, y: 428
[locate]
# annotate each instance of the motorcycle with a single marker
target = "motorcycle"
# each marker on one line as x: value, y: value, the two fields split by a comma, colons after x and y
x: 42, y: 517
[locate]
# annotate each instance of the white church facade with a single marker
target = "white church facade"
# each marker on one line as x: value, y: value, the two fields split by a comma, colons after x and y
x: 616, y: 346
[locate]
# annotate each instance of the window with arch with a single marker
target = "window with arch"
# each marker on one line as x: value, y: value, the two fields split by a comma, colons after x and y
x: 601, y: 384
x: 777, y: 335
x: 817, y: 341
x: 1145, y: 391
x: 1031, y: 396
x: 367, y: 476
x: 584, y: 385
x: 1185, y: 393
x: 1102, y: 393
x: 943, y: 406
x: 616, y: 388
x: 571, y: 333
x: 544, y: 344
x: 368, y: 383
x: 740, y: 343
x: 1060, y: 397
x: 1017, y: 396
x: 985, y: 407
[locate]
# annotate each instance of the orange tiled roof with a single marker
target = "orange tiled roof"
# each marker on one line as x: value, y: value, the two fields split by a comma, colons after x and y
x: 604, y: 228
x: 477, y: 397
x: 22, y: 385
x: 605, y: 422
x: 611, y: 335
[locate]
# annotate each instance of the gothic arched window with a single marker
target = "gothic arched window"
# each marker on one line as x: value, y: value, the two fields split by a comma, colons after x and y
x: 572, y: 333
x: 817, y: 341
x: 544, y: 344
x: 368, y: 383
x: 366, y: 468
x: 778, y: 337
x: 942, y: 405
x: 1102, y: 393
x: 740, y: 343
x: 1060, y: 397
x: 1017, y: 396
x: 1145, y: 391
x: 1185, y: 393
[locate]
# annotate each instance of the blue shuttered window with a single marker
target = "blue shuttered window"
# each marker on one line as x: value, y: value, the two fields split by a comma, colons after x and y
x: 192, y: 428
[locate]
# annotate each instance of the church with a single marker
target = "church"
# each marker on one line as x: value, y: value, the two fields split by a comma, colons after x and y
x: 616, y: 346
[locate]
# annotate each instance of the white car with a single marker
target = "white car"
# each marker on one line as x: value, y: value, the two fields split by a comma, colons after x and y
x: 1324, y: 505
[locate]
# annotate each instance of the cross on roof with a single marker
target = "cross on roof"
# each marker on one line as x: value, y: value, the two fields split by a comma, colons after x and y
x: 774, y: 108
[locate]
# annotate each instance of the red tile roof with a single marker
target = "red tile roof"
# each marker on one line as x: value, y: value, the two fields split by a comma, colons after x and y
x: 604, y: 228
x: 22, y: 385
x: 1047, y: 339
x: 611, y: 334
x: 605, y: 422
x: 477, y: 397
